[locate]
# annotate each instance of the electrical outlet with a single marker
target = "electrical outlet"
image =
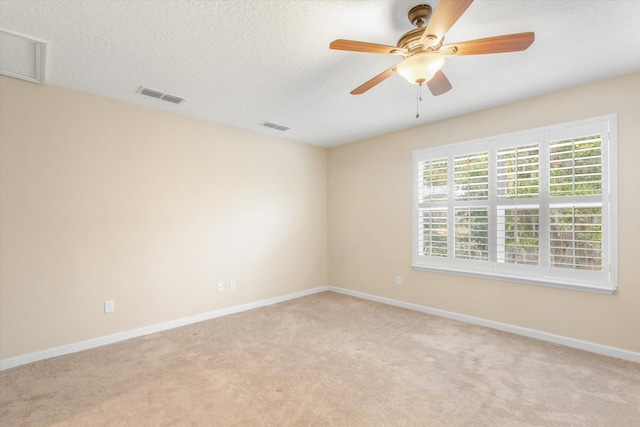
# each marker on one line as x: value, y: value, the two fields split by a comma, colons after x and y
x: 109, y: 306
x: 398, y: 280
x: 220, y: 286
x: 232, y: 285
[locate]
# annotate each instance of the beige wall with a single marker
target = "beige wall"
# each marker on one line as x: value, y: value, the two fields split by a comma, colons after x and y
x: 370, y: 220
x: 102, y: 199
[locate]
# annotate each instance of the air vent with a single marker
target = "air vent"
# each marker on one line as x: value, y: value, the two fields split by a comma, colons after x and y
x: 171, y: 98
x: 274, y: 126
x: 23, y: 57
x: 160, y: 95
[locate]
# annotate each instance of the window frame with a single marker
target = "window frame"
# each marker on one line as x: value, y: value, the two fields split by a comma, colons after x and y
x: 604, y: 282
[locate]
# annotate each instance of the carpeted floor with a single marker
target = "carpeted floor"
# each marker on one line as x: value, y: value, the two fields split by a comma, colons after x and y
x: 325, y: 360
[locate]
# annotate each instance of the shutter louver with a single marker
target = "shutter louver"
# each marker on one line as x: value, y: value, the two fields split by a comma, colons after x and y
x: 472, y: 233
x: 575, y: 166
x: 519, y: 235
x: 518, y: 172
x: 432, y: 239
x: 433, y: 180
x: 471, y: 176
x: 576, y: 237
x: 433, y: 187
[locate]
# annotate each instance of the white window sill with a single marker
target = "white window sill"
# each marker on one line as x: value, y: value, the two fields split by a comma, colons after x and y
x: 606, y: 290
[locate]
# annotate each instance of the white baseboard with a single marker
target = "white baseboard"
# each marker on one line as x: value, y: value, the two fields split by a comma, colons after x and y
x: 121, y: 336
x: 532, y: 333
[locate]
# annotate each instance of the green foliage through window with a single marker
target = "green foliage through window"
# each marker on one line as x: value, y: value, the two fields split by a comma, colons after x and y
x: 575, y: 166
x: 518, y: 172
x: 472, y: 233
x: 434, y: 180
x: 576, y: 237
x: 519, y: 235
x: 471, y: 176
x: 433, y: 235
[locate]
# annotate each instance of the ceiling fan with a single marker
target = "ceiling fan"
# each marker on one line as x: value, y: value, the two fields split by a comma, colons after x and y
x: 423, y: 51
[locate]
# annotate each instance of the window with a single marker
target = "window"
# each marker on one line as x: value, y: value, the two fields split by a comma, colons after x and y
x: 537, y: 206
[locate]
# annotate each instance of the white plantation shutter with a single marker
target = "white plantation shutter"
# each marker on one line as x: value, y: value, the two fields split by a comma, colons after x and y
x: 575, y: 166
x: 517, y: 172
x: 533, y: 207
x: 471, y: 210
x: 517, y: 226
x: 518, y: 235
x: 433, y: 180
x: 433, y: 184
x: 433, y: 237
x: 472, y: 233
x: 471, y: 176
x: 576, y: 237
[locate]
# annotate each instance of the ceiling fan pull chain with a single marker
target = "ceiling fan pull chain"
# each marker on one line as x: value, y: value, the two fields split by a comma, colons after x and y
x: 418, y: 99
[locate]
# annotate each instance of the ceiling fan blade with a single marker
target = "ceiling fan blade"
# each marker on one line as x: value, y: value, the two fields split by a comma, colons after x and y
x: 374, y: 81
x: 446, y: 14
x: 439, y: 84
x: 356, y: 46
x: 498, y: 44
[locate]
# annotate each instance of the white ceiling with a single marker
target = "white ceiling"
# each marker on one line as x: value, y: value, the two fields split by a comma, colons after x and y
x: 241, y: 63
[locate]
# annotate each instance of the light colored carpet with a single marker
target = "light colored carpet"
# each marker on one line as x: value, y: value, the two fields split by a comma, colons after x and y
x: 325, y: 360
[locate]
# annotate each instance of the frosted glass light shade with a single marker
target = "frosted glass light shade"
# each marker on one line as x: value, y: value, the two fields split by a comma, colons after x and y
x: 420, y: 68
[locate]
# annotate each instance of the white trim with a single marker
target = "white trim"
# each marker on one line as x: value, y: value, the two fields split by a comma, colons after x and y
x: 151, y: 329
x: 605, y: 350
x: 122, y: 336
x: 555, y: 283
x: 613, y: 198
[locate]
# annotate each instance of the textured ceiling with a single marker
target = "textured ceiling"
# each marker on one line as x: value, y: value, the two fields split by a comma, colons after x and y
x: 241, y: 63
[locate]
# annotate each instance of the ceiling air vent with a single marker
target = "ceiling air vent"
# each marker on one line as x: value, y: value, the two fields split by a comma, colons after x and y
x: 160, y: 95
x: 274, y: 126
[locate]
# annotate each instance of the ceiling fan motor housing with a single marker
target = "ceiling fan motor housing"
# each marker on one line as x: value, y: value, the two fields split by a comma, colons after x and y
x: 418, y: 16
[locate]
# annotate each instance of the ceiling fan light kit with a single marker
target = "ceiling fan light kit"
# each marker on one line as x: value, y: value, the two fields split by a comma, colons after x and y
x: 422, y: 47
x: 420, y: 68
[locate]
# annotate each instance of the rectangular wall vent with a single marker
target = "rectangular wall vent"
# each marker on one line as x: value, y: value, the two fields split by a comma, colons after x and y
x: 23, y: 57
x: 160, y: 95
x: 274, y: 126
